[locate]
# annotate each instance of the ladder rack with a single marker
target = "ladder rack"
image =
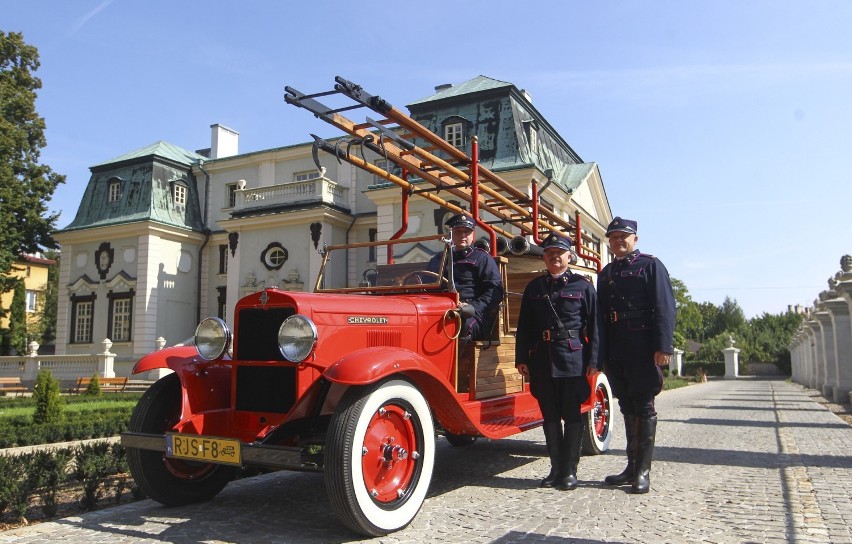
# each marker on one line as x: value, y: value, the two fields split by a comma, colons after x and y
x: 459, y: 175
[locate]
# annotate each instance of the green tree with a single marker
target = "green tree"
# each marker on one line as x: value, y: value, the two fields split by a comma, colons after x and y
x: 689, y: 324
x: 48, y: 305
x: 48, y: 402
x: 18, y: 319
x: 730, y: 318
x: 94, y: 387
x: 25, y: 185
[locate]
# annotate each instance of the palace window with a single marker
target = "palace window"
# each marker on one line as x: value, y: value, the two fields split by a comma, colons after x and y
x: 306, y: 176
x: 223, y: 259
x: 454, y: 134
x: 120, y: 316
x: 232, y: 194
x: 114, y: 191
x: 82, y: 315
x: 180, y: 194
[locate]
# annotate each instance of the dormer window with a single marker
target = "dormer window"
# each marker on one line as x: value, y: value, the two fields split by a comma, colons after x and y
x: 454, y: 134
x: 180, y: 194
x: 114, y: 190
x: 531, y: 128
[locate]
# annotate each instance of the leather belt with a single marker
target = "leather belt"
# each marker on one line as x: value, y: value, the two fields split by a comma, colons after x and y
x: 625, y: 315
x: 549, y: 336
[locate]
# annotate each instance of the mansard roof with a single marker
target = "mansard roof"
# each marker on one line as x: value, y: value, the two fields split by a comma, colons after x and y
x: 512, y: 133
x: 146, y: 179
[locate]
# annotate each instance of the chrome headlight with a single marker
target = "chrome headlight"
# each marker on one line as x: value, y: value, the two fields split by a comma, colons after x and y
x: 297, y: 337
x: 212, y: 338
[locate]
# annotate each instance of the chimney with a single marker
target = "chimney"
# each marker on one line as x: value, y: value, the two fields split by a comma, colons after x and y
x: 224, y: 142
x: 443, y: 87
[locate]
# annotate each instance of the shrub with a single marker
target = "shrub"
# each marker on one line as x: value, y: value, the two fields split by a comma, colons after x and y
x: 48, y: 402
x: 94, y: 387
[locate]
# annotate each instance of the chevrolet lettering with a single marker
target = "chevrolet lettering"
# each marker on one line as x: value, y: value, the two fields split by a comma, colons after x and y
x: 366, y: 320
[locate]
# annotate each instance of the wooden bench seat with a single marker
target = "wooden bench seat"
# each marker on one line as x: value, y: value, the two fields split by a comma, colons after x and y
x: 108, y: 385
x: 12, y: 385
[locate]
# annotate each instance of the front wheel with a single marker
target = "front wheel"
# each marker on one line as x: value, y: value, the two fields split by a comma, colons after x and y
x: 380, y: 452
x: 599, y: 418
x: 169, y: 481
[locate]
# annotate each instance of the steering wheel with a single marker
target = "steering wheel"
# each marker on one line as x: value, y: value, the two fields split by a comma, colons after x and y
x: 415, y: 274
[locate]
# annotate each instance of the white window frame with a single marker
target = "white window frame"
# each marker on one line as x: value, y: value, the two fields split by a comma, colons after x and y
x: 180, y: 194
x: 84, y: 316
x: 306, y: 175
x: 122, y: 312
x: 32, y: 300
x: 533, y: 140
x: 454, y: 134
x: 276, y: 257
x: 114, y: 191
x: 231, y: 195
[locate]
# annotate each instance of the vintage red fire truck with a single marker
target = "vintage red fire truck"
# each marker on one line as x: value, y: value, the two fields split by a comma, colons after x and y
x: 356, y: 381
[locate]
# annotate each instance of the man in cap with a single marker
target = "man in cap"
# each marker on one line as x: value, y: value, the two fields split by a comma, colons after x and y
x: 556, y: 347
x: 477, y: 279
x: 638, y: 312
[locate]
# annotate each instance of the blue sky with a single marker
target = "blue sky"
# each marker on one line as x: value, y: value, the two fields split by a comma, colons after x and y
x: 722, y: 126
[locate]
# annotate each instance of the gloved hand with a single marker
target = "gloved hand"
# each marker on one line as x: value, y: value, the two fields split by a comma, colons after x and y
x: 466, y: 310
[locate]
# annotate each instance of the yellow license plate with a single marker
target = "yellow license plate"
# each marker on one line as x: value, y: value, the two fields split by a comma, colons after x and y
x: 203, y: 448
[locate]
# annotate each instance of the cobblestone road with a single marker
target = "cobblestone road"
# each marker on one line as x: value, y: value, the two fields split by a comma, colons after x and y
x: 739, y: 461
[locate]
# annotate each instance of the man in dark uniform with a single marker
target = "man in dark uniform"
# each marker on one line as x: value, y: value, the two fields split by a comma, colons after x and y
x: 638, y: 314
x: 556, y: 347
x: 477, y: 279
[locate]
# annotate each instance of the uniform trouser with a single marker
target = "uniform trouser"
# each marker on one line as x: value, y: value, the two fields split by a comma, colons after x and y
x: 559, y: 400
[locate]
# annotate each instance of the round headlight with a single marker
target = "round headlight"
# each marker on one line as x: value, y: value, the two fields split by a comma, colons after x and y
x: 297, y: 337
x: 212, y: 338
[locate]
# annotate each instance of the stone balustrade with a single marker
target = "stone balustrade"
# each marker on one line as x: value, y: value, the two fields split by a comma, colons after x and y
x: 314, y: 190
x: 821, y: 349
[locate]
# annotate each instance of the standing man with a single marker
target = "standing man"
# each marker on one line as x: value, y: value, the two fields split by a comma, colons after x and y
x: 477, y: 279
x: 638, y: 314
x: 556, y: 347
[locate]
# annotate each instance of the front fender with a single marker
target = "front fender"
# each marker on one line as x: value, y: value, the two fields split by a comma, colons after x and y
x: 173, y: 358
x: 372, y: 364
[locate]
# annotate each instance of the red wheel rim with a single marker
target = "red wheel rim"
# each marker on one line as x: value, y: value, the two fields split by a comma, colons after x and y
x: 388, y: 453
x: 601, y: 412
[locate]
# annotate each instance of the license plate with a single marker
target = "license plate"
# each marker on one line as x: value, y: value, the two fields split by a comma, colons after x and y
x: 203, y: 448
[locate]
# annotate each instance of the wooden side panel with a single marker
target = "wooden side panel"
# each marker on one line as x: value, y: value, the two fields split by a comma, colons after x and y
x: 495, y: 369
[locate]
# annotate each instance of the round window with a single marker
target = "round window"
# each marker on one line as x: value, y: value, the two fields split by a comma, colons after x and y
x: 274, y: 256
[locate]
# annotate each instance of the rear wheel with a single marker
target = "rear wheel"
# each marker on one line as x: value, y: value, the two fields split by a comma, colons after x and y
x: 169, y: 481
x: 599, y: 419
x: 380, y: 452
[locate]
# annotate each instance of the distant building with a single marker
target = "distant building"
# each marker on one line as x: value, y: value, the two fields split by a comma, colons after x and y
x: 165, y: 236
x: 33, y: 269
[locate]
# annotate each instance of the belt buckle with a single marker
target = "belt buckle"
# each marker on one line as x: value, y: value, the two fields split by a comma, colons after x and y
x: 613, y: 316
x: 546, y: 335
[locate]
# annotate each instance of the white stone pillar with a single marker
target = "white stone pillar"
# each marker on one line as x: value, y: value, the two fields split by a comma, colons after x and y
x: 158, y: 373
x: 32, y: 366
x: 106, y: 360
x: 676, y: 363
x: 843, y: 327
x: 829, y: 350
x: 731, y: 360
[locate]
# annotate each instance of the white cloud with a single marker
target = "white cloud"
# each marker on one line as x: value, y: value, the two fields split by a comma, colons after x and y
x: 85, y: 18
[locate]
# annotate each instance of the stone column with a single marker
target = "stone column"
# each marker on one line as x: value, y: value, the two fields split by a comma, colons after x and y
x: 732, y: 356
x: 32, y: 366
x: 676, y: 363
x: 842, y: 285
x: 818, y: 377
x: 797, y: 357
x: 829, y: 347
x: 106, y: 360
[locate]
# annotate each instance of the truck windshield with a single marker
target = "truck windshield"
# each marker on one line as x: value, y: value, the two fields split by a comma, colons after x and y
x: 355, y: 268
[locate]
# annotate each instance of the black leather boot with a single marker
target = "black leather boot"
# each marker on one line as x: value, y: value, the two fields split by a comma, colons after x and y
x: 644, y: 454
x: 553, y: 439
x: 570, y: 456
x: 626, y: 475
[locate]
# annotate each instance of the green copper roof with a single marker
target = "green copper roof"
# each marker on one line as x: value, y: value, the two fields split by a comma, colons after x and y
x: 477, y: 84
x: 145, y: 182
x: 161, y: 149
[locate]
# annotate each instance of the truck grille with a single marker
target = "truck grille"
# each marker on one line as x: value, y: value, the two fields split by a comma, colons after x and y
x: 257, y: 335
x: 266, y: 388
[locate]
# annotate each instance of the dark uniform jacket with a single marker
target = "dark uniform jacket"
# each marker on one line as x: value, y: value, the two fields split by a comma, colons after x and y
x: 478, y: 281
x: 564, y: 354
x: 637, y: 304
